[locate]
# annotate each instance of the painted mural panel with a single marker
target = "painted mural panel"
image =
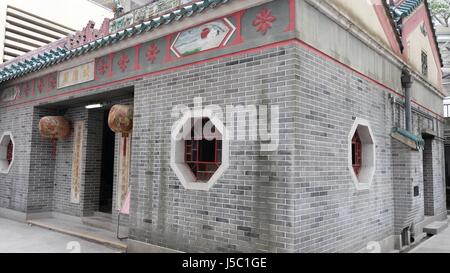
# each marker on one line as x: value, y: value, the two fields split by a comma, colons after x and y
x: 207, y: 36
x: 76, y: 162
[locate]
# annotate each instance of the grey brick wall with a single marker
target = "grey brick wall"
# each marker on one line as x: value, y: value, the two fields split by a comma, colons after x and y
x: 42, y: 166
x: 250, y: 208
x: 428, y: 190
x: 92, y: 162
x: 298, y: 199
x: 331, y: 215
x: 408, y: 173
x: 14, y: 186
x: 434, y: 180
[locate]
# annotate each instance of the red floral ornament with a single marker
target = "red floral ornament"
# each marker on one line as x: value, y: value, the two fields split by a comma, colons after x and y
x: 102, y: 67
x: 123, y: 62
x: 264, y: 21
x: 152, y: 53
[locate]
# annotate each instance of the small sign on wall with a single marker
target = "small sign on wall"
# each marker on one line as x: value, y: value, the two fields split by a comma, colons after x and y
x: 76, y: 75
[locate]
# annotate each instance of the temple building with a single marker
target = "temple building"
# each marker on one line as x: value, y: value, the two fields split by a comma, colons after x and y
x: 233, y: 126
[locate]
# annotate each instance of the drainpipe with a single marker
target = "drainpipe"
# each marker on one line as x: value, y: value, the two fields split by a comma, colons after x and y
x: 407, y: 81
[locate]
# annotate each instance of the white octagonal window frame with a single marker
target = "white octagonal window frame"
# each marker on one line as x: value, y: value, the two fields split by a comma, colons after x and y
x: 5, y: 167
x: 177, y: 155
x: 363, y: 181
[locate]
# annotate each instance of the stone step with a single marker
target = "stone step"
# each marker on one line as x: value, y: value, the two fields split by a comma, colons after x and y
x: 79, y: 230
x: 103, y: 215
x: 435, y: 227
x: 105, y: 222
x: 99, y: 222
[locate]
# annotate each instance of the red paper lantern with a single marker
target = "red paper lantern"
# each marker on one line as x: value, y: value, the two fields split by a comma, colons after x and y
x: 54, y: 128
x: 120, y: 119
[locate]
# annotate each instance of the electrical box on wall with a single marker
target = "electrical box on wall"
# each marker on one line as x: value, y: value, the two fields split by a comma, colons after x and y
x: 416, y: 191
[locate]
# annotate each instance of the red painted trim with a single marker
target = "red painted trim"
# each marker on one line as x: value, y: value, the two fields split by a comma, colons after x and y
x: 238, y: 17
x: 137, y: 65
x: 387, y: 27
x: 248, y: 51
x: 168, y: 57
x: 49, y: 88
x: 33, y: 87
x: 292, y: 15
x: 111, y: 64
x: 95, y: 68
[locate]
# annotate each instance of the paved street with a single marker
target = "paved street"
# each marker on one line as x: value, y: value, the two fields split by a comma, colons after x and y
x: 436, y: 244
x: 18, y: 237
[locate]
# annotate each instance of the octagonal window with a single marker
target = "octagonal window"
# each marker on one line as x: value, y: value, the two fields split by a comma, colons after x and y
x: 199, y: 151
x: 356, y: 153
x: 203, y: 156
x: 362, y: 154
x: 6, y: 152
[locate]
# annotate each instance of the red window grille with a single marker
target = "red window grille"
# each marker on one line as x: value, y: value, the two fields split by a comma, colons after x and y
x: 9, y: 152
x: 356, y: 153
x: 203, y: 157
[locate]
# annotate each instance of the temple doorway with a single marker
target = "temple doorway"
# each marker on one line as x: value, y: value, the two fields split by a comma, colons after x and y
x: 107, y: 167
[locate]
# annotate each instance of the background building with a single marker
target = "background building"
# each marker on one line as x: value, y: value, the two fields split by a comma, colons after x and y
x: 28, y: 25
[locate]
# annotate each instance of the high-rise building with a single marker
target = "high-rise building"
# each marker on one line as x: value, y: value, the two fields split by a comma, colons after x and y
x: 28, y: 25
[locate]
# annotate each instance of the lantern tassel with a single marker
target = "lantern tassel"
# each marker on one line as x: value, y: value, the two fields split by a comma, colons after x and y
x: 54, y: 146
x: 125, y: 137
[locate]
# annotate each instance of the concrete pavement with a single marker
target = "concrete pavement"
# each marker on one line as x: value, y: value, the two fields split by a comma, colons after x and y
x: 437, y: 244
x: 18, y: 237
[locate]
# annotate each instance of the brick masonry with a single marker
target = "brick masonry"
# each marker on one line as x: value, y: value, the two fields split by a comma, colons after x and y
x: 299, y: 199
x: 14, y: 186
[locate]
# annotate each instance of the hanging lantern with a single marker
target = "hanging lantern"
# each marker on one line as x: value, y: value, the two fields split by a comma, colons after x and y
x: 54, y: 128
x: 120, y: 120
